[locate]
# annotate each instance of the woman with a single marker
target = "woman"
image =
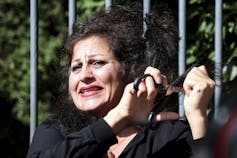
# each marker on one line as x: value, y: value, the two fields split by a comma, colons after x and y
x: 106, y: 54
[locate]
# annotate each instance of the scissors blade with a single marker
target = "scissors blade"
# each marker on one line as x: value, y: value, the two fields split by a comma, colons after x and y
x: 175, y: 86
x: 173, y: 89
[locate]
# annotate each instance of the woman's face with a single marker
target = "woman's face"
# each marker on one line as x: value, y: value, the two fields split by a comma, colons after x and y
x: 96, y: 77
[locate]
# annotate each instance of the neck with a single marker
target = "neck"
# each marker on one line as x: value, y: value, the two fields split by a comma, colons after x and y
x: 124, y: 137
x: 127, y: 133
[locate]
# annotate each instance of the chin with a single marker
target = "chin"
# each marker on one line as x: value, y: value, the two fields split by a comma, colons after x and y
x: 91, y: 107
x: 99, y: 111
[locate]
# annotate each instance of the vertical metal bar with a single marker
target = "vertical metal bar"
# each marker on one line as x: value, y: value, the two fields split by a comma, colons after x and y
x: 218, y: 53
x: 33, y: 65
x: 71, y: 15
x: 108, y: 4
x: 146, y: 10
x: 182, y: 48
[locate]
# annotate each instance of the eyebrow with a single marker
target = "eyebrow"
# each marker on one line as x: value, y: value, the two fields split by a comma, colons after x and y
x: 89, y: 56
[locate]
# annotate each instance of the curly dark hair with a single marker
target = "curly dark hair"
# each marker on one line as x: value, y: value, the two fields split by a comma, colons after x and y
x: 162, y: 42
x: 122, y: 28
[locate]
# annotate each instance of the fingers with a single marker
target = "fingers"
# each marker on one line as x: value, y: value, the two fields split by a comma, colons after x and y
x: 147, y: 84
x: 157, y: 75
x: 198, y: 92
x: 150, y: 87
x: 140, y: 99
x: 142, y: 88
x: 197, y: 80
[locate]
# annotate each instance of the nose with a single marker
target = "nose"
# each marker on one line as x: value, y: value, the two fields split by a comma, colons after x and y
x: 85, y: 74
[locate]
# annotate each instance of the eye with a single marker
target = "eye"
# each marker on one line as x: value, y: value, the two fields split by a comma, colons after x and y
x: 76, y: 68
x: 98, y: 63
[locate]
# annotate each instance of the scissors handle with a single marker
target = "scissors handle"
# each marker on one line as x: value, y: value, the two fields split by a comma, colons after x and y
x: 138, y: 80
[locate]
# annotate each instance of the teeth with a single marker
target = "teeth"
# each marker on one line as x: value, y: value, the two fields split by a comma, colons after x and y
x: 89, y: 90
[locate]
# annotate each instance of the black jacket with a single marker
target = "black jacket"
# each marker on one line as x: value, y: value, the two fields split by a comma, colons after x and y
x: 169, y: 139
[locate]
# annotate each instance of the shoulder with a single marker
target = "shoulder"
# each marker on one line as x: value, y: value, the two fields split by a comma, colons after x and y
x: 47, y: 133
x: 50, y: 124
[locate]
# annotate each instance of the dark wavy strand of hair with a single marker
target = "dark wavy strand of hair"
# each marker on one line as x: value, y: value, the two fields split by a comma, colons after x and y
x: 162, y: 42
x: 162, y: 47
x: 70, y: 117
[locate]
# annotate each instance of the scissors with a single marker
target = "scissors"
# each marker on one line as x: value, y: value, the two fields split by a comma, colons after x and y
x: 173, y: 87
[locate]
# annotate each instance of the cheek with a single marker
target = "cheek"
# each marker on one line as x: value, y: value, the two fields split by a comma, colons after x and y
x: 113, y: 81
x: 108, y: 76
x: 72, y: 82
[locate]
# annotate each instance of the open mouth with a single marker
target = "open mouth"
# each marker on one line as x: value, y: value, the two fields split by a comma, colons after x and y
x: 88, y: 90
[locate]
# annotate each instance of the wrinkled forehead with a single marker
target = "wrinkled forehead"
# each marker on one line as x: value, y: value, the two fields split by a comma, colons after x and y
x: 74, y: 41
x: 92, y: 47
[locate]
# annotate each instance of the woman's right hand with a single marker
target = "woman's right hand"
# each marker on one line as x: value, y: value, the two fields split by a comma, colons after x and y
x: 134, y: 107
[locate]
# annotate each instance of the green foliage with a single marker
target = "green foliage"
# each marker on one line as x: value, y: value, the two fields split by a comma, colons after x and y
x: 15, y: 51
x: 87, y: 8
x: 201, y: 28
x: 229, y: 38
x: 14, y: 61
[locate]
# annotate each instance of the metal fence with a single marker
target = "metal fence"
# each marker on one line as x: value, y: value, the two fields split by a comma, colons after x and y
x: 146, y: 8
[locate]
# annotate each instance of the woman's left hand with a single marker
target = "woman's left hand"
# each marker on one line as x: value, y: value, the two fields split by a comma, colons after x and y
x: 198, y: 88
